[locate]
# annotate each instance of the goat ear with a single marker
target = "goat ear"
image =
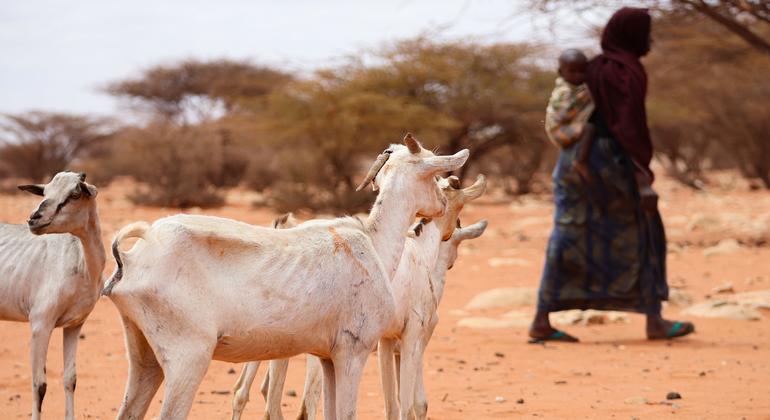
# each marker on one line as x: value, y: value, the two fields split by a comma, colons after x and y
x: 36, y: 189
x: 474, y: 191
x: 438, y: 164
x: 454, y: 182
x: 88, y: 189
x: 281, y: 220
x: 412, y: 144
x: 470, y: 232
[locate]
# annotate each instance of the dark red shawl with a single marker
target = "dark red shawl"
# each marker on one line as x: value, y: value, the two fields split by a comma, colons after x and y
x: 618, y: 82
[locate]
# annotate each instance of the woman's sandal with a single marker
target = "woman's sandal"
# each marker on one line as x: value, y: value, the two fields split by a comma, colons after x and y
x: 679, y: 329
x: 556, y: 336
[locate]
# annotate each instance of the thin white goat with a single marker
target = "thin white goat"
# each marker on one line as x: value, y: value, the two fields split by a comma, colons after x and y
x: 416, y: 292
x: 446, y: 259
x: 410, y: 372
x: 52, y: 274
x: 197, y: 288
x: 276, y: 376
x: 417, y: 300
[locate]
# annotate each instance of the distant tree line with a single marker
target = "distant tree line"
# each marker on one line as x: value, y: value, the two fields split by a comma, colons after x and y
x: 304, y: 141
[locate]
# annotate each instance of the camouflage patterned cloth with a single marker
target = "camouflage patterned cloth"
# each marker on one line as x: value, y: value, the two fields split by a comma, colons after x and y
x: 568, y: 110
x: 604, y: 251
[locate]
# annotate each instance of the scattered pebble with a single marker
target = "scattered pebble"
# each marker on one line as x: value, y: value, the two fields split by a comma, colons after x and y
x: 217, y: 392
x: 498, y: 354
x: 291, y: 393
x: 500, y: 399
x: 520, y: 401
x: 231, y: 371
x: 724, y: 288
x: 82, y: 336
x: 725, y: 246
x: 673, y: 396
x: 635, y: 400
x: 560, y: 382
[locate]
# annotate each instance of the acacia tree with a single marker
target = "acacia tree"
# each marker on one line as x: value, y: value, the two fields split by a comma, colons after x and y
x: 324, y: 131
x: 493, y: 94
x: 747, y: 19
x: 194, y: 90
x: 36, y: 145
x: 196, y: 111
x: 707, y: 99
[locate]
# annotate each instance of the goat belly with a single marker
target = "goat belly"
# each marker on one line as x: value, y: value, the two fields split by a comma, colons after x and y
x: 243, y: 348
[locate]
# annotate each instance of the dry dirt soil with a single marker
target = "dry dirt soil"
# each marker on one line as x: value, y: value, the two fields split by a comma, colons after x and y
x: 721, y: 372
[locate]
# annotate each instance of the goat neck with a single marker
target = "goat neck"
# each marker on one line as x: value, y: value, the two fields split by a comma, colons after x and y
x: 90, y: 237
x: 388, y: 222
x: 438, y: 274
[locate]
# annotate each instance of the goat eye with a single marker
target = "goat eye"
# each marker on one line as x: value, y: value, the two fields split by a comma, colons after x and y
x: 75, y: 195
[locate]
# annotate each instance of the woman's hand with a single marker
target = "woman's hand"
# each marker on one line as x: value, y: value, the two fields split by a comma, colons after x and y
x: 648, y: 199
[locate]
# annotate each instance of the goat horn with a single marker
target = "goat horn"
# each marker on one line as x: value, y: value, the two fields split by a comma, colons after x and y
x: 374, y: 170
x: 412, y: 144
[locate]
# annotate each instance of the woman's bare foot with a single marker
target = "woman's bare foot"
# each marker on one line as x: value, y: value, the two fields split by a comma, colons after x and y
x: 659, y: 328
x: 541, y: 330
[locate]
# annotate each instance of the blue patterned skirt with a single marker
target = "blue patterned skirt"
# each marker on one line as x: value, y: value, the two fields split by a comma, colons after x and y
x: 605, y: 252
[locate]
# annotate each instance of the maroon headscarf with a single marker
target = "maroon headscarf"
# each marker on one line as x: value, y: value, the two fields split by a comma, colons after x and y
x: 618, y: 82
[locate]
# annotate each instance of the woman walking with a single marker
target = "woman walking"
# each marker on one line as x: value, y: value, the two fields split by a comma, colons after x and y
x: 607, y: 250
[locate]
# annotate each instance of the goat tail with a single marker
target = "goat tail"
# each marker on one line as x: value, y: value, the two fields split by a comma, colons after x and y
x: 133, y: 230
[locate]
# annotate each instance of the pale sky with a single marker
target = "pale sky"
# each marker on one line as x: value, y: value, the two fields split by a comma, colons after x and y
x: 55, y: 54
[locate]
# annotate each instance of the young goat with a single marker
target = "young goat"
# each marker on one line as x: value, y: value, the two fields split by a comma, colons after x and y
x: 418, y: 292
x: 418, y: 295
x: 446, y: 258
x: 51, y: 280
x: 197, y: 288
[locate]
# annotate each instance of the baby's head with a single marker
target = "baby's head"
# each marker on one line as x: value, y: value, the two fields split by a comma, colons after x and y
x: 572, y: 66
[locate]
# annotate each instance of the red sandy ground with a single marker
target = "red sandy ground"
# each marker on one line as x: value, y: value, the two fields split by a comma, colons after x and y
x: 721, y: 372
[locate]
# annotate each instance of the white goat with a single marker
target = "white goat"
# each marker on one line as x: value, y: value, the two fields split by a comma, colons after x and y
x: 198, y: 288
x: 417, y: 299
x: 407, y: 353
x: 272, y: 385
x: 53, y: 280
x: 417, y: 296
x: 446, y: 259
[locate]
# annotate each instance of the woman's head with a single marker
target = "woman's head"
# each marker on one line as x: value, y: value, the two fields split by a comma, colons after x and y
x: 628, y: 30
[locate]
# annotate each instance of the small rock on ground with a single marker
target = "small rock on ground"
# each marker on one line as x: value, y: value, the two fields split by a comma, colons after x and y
x: 487, y: 323
x: 635, y: 400
x: 502, y: 297
x: 724, y: 309
x: 724, y: 288
x: 725, y: 246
